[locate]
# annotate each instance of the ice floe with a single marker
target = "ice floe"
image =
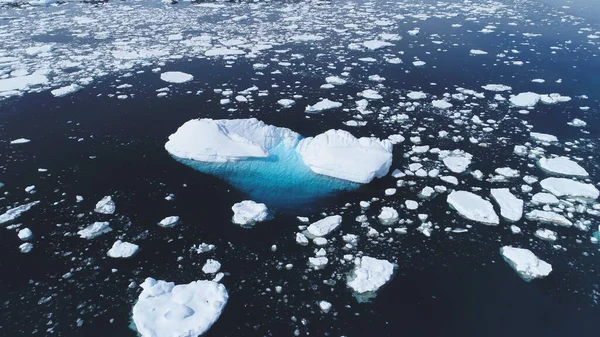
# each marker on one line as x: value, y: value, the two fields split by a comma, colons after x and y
x: 525, y: 263
x: 511, y: 207
x: 324, y: 226
x: 248, y: 212
x: 564, y: 187
x: 16, y: 212
x: 473, y: 207
x: 105, y: 206
x: 369, y: 275
x: 184, y: 310
x: 123, y: 250
x: 562, y: 166
x: 94, y: 230
x: 176, y: 77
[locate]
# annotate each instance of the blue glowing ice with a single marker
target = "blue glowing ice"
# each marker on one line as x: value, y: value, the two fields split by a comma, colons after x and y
x: 279, y: 180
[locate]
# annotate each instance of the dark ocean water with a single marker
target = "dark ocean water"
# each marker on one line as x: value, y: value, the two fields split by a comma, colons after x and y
x: 446, y: 285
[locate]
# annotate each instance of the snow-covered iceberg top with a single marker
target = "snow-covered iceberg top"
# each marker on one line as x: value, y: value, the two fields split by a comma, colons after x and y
x: 525, y: 263
x: 338, y: 154
x: 166, y: 309
x: 209, y: 140
x: 369, y: 275
x: 473, y: 207
x: 335, y: 153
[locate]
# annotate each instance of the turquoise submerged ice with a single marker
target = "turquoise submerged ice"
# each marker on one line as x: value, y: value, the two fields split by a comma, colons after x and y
x: 276, y: 165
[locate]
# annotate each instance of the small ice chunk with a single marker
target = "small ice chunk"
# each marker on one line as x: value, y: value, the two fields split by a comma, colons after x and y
x: 546, y: 235
x: 525, y: 99
x: 441, y: 104
x: 548, y: 217
x: 370, y: 274
x: 26, y: 247
x: 511, y: 207
x: 388, y: 215
x: 25, y: 234
x: 211, y: 267
x: 94, y: 230
x: 248, y: 212
x: 322, y: 105
x: 325, y: 306
x: 105, y: 206
x: 176, y: 77
x: 19, y: 141
x: 66, y: 90
x: 123, y: 250
x: 168, y: 222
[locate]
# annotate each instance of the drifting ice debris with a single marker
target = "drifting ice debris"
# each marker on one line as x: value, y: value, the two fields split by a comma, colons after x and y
x: 94, y: 230
x: 169, y: 221
x: 185, y: 310
x: 456, y: 161
x: 248, y: 212
x: 577, y: 123
x: 497, y: 87
x: 441, y: 104
x: 26, y: 247
x: 546, y: 234
x: 25, y: 234
x: 67, y: 90
x: 545, y: 198
x: 122, y: 250
x: 19, y: 141
x: 324, y: 226
x: 325, y: 306
x: 286, y: 103
x: 375, y: 44
x: 525, y: 263
x: 473, y: 207
x: 511, y: 207
x: 562, y: 166
x: 211, y: 266
x: 322, y: 106
x: 416, y: 95
x: 369, y: 275
x: 105, y: 206
x: 338, y: 154
x: 543, y: 137
x: 16, y: 212
x: 388, y: 216
x: 176, y: 77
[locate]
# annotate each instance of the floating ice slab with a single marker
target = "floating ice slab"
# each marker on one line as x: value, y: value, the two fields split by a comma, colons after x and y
x: 322, y: 106
x: 25, y: 234
x: 543, y: 137
x: 22, y: 83
x: 66, y: 90
x: 338, y: 154
x: 325, y: 226
x: 185, y: 310
x: 176, y: 77
x: 548, y: 217
x: 105, y: 206
x: 169, y: 221
x: 249, y: 212
x: 122, y: 250
x: 562, y: 166
x: 94, y: 230
x: 16, y: 212
x: 376, y: 44
x: 369, y: 275
x: 497, y: 87
x: 570, y: 188
x: 473, y: 207
x: 511, y: 207
x: 525, y: 100
x: 19, y: 141
x: 525, y: 263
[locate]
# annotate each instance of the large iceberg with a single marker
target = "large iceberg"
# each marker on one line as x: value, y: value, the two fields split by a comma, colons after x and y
x: 276, y: 165
x: 184, y: 310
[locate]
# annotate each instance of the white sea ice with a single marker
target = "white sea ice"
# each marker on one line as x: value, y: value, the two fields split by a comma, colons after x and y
x: 473, y: 207
x: 497, y: 87
x: 525, y: 263
x: 525, y: 99
x: 123, y: 250
x: 176, y: 77
x: 338, y: 154
x: 170, y: 221
x: 511, y: 207
x: 94, y: 230
x: 376, y: 44
x: 185, y: 310
x: 324, y: 226
x: 15, y: 212
x: 211, y: 267
x: 546, y: 235
x: 416, y: 95
x: 576, y: 122
x: 286, y: 103
x: 66, y: 90
x: 456, y: 161
x: 441, y: 104
x: 26, y: 247
x: 249, y: 212
x: 477, y: 52
x: 562, y: 166
x: 543, y: 137
x: 25, y: 234
x: 388, y: 215
x: 370, y: 274
x: 570, y: 188
x: 335, y: 80
x: 545, y: 198
x: 19, y: 141
x: 325, y: 306
x: 322, y: 105
x: 105, y: 206
x: 548, y: 217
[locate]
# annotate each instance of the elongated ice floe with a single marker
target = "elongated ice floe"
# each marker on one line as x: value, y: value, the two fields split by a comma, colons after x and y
x: 564, y: 187
x: 369, y: 275
x: 548, y: 217
x: 176, y: 77
x: 338, y: 154
x: 105, y: 206
x: 16, y: 212
x: 184, y: 310
x: 322, y: 105
x: 511, y: 207
x: 66, y: 90
x: 562, y: 166
x: 473, y: 207
x: 525, y: 263
x: 525, y: 100
x: 94, y: 230
x: 325, y: 226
